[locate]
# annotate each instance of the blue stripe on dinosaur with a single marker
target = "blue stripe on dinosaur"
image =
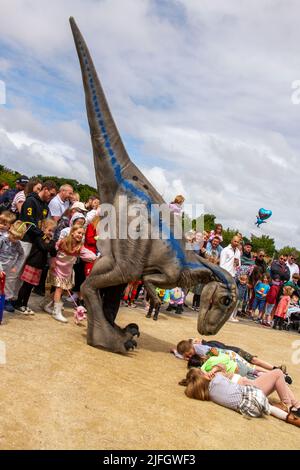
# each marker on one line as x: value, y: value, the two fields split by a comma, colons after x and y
x: 129, y: 187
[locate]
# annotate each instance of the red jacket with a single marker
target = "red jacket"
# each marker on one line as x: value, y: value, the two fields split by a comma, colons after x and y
x: 90, y: 244
x: 283, y: 306
x: 273, y: 294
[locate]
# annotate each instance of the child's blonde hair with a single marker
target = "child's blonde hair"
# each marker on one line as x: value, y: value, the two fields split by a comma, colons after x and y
x: 184, y: 346
x: 7, y: 217
x: 179, y: 199
x: 288, y: 290
x: 18, y: 229
x: 67, y: 243
x: 46, y: 223
x: 95, y: 221
x: 197, y: 386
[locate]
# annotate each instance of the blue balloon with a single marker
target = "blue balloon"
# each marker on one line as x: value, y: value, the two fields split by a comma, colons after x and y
x: 264, y: 214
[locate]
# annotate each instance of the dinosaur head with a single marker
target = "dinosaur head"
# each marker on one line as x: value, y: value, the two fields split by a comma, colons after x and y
x: 217, y: 304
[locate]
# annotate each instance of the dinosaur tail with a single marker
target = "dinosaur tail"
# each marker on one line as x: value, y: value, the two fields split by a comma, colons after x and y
x: 110, y: 156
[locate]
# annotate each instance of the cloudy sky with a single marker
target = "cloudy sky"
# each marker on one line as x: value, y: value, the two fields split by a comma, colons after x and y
x: 201, y: 92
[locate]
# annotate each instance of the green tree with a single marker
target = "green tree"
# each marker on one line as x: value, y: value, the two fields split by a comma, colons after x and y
x: 263, y: 243
x: 227, y: 235
x: 187, y: 223
x: 209, y: 222
x: 288, y: 250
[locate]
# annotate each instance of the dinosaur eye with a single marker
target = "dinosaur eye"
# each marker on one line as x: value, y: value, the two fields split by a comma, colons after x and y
x: 226, y: 301
x: 135, y: 178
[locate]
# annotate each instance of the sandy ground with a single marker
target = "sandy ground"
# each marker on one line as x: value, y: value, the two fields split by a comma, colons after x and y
x: 59, y: 393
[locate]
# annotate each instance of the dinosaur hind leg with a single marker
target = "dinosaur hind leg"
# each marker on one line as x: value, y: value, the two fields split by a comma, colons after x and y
x: 111, y: 298
x: 100, y: 331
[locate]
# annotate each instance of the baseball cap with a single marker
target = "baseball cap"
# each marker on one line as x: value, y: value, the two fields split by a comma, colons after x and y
x: 79, y: 206
x: 76, y: 216
x: 23, y: 179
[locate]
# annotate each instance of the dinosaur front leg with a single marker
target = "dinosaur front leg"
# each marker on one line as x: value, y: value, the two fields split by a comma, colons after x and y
x: 100, y: 331
x: 150, y: 288
x: 165, y: 280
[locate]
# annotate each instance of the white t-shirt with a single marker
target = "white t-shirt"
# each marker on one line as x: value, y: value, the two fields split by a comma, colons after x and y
x: 227, y: 257
x: 294, y: 269
x: 91, y: 215
x: 57, y: 207
x: 19, y: 197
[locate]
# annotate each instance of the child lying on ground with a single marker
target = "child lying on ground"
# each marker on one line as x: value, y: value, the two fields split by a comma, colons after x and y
x: 187, y: 348
x: 247, y: 399
x: 213, y: 358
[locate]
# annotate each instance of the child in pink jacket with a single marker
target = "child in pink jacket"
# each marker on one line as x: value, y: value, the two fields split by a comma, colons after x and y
x: 282, y: 307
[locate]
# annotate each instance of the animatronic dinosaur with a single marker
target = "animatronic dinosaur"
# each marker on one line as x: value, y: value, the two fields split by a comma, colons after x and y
x: 158, y: 262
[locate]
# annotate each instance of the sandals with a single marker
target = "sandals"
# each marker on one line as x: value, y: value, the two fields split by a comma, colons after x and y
x: 295, y: 411
x: 292, y: 419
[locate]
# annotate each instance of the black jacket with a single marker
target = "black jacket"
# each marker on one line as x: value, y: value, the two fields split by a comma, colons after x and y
x: 34, y: 210
x: 281, y: 270
x: 39, y: 252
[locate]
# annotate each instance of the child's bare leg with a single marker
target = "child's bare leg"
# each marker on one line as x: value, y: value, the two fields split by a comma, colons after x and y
x: 258, y: 362
x: 57, y: 294
x: 274, y: 381
x: 260, y: 369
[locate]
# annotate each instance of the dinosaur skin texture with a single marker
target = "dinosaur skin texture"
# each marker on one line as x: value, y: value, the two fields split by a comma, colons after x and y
x: 159, y: 262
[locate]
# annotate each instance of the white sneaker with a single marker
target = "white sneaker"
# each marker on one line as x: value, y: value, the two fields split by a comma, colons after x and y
x: 21, y: 309
x: 59, y: 317
x: 29, y: 311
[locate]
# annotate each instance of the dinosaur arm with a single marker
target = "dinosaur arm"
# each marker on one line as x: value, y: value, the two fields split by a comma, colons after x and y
x: 150, y: 288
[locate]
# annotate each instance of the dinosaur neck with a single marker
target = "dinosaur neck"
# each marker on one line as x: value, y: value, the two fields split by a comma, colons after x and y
x: 220, y: 274
x: 110, y: 156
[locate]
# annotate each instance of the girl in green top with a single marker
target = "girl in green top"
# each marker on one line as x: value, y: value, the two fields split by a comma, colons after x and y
x: 231, y: 366
x: 224, y: 359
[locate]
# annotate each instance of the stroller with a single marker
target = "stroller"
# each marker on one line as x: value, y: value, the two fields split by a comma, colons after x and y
x: 292, y: 320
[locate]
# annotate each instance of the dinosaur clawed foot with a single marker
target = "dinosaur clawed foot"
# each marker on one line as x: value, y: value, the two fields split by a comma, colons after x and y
x: 130, y: 344
x: 133, y: 329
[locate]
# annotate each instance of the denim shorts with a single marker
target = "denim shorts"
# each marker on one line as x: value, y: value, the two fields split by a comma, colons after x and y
x: 244, y: 370
x: 269, y: 309
x: 258, y: 303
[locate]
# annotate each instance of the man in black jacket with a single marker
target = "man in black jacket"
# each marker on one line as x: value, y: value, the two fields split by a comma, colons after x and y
x: 35, y: 210
x: 280, y: 269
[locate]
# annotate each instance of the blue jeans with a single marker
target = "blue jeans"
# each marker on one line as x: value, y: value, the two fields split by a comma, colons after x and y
x: 258, y: 303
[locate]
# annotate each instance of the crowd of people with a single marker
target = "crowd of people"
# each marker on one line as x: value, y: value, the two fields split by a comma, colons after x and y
x: 48, y: 233
x: 268, y: 289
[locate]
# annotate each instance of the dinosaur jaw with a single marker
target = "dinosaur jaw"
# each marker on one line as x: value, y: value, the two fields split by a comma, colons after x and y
x: 216, y: 306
